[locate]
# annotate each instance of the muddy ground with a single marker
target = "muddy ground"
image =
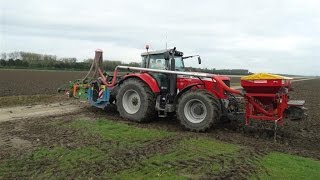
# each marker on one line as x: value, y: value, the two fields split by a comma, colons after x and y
x: 20, y: 137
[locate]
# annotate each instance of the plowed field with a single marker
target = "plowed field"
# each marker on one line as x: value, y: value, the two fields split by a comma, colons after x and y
x: 27, y: 82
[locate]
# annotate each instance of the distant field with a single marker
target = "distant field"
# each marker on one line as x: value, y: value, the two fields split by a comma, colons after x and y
x: 33, y: 82
x: 27, y: 82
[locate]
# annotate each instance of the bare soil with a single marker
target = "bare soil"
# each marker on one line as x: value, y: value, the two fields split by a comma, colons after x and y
x: 27, y: 133
x: 40, y: 110
x: 31, y: 82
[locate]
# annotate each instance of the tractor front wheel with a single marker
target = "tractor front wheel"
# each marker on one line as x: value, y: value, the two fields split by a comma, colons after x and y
x: 198, y: 110
x: 135, y: 101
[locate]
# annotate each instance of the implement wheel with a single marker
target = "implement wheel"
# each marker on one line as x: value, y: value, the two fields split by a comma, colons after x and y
x: 198, y: 110
x: 135, y: 101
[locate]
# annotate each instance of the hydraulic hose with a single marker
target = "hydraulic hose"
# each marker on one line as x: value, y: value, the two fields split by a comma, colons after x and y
x: 104, y: 80
x: 249, y: 98
x: 225, y: 87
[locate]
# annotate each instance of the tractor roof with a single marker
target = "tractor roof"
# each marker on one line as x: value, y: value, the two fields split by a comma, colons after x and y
x: 178, y: 53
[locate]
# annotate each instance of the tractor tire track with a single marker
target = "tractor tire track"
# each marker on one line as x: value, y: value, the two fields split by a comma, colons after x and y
x: 43, y: 110
x: 128, y: 158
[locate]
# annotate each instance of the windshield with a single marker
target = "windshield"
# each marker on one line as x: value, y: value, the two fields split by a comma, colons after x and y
x: 179, y: 63
x: 158, y: 62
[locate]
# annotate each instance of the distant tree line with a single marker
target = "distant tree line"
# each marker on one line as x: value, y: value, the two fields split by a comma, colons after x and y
x: 28, y: 60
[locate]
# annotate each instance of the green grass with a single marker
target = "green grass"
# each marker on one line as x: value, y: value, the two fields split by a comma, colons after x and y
x: 189, y: 159
x: 48, y: 163
x: 121, y: 133
x: 207, y: 146
x: 286, y: 166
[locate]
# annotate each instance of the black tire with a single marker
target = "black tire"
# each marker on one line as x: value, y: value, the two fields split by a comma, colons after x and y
x: 113, y: 94
x: 204, y: 105
x: 146, y: 110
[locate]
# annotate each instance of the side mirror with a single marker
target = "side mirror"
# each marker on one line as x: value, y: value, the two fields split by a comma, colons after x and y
x: 166, y: 56
x: 199, y: 60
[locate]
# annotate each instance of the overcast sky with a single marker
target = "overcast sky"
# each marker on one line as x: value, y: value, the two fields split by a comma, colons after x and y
x: 270, y: 36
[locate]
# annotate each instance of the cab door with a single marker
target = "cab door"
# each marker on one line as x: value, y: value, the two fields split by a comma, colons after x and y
x: 158, y: 62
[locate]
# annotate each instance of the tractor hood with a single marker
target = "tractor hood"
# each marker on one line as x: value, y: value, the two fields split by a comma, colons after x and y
x: 210, y: 78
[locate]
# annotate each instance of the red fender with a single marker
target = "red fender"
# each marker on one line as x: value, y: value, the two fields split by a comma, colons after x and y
x: 147, y: 78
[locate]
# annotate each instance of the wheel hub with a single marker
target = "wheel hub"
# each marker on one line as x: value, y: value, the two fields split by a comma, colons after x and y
x: 198, y: 110
x: 195, y: 111
x: 135, y: 101
x: 131, y: 101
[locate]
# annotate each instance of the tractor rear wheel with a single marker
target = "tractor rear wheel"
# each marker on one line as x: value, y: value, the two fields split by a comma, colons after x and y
x: 135, y: 101
x: 198, y: 110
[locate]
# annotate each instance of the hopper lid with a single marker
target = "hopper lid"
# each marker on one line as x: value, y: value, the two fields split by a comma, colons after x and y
x: 264, y: 76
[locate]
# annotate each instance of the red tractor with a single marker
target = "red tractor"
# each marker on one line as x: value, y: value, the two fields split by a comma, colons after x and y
x: 161, y: 86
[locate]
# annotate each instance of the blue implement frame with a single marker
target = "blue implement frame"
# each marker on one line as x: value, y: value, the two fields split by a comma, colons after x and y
x: 101, y: 102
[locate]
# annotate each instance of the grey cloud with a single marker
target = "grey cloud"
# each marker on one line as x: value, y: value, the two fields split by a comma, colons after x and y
x: 275, y: 36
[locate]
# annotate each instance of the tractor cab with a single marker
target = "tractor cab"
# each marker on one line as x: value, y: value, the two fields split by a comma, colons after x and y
x: 170, y: 60
x: 167, y: 59
x: 162, y: 60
